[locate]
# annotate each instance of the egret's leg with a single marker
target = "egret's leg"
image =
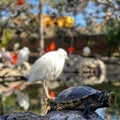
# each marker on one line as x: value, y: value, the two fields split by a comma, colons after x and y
x: 48, y: 100
x: 46, y: 89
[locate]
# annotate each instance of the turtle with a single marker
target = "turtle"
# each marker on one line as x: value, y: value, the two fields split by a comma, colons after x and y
x: 83, y: 98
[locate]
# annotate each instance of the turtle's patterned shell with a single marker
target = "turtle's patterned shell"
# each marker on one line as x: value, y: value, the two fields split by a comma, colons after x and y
x: 82, y: 98
x: 75, y: 93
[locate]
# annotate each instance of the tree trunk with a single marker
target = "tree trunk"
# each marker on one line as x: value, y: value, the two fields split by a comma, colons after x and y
x: 2, y: 31
x: 41, y: 35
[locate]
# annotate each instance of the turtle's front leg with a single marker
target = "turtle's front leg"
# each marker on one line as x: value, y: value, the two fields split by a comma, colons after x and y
x: 86, y: 110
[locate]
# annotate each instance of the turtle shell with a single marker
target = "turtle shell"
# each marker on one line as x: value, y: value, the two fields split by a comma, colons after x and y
x: 75, y: 98
x: 83, y: 98
x: 75, y: 93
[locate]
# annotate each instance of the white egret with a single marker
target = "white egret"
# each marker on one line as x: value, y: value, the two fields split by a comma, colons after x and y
x: 86, y: 51
x: 6, y: 55
x: 16, y: 46
x: 23, y: 55
x: 48, y: 66
x: 23, y: 99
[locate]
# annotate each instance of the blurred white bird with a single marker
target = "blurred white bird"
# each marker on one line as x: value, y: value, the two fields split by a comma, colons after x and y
x: 48, y: 67
x: 23, y: 56
x: 6, y: 55
x: 86, y: 51
x: 23, y: 99
x: 16, y: 46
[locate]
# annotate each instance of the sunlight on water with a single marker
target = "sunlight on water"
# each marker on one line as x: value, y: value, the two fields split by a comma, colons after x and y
x: 104, y: 116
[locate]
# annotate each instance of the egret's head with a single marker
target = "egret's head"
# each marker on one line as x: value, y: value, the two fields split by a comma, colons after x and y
x: 63, y: 53
x: 26, y: 49
x: 3, y: 49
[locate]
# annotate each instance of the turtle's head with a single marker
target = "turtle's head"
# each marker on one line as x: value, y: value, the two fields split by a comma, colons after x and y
x: 108, y: 99
x: 111, y: 99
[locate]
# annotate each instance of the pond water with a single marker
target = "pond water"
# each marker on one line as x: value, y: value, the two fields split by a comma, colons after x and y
x: 32, y: 97
x: 105, y: 116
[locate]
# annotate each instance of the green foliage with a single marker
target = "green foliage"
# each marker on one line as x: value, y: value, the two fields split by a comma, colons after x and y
x: 113, y: 38
x: 118, y: 99
x: 90, y: 43
x: 7, y: 37
x: 5, y: 2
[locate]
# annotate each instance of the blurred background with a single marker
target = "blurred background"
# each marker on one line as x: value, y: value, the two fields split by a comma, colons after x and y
x: 88, y: 30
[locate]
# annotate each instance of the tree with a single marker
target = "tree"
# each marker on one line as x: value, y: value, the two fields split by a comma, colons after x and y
x: 92, y: 12
x: 113, y: 37
x: 41, y: 36
x: 10, y: 10
x: 23, y: 19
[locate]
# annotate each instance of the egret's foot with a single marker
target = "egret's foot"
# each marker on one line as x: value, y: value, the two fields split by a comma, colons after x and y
x: 49, y: 103
x: 49, y: 100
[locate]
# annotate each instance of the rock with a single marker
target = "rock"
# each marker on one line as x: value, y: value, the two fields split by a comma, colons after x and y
x: 80, y: 71
x: 55, y: 115
x: 21, y: 116
x: 71, y: 115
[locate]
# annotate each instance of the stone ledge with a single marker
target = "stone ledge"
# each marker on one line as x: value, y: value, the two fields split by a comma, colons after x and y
x: 55, y: 115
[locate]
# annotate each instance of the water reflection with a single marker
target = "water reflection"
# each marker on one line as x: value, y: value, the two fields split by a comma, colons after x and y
x: 105, y: 116
x: 101, y: 112
x: 79, y: 71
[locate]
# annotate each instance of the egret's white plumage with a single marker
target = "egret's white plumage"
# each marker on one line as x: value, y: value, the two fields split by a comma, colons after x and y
x: 48, y: 66
x: 23, y: 55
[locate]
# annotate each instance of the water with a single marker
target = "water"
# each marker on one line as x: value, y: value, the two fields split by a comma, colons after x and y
x: 34, y: 95
x: 102, y: 113
x: 11, y: 103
